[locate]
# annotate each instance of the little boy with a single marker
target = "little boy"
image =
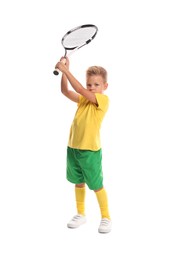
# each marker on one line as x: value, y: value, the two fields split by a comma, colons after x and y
x: 84, y: 153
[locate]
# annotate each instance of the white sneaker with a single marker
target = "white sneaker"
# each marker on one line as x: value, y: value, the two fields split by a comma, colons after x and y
x: 105, y: 225
x: 76, y: 221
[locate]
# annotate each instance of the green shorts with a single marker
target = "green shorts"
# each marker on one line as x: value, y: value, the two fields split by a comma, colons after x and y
x: 85, y: 166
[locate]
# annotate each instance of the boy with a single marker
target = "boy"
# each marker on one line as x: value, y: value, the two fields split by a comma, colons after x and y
x: 84, y: 153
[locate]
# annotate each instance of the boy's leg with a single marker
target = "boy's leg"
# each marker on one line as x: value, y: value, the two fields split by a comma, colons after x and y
x: 80, y: 193
x: 103, y: 203
x: 105, y: 224
x: 80, y: 218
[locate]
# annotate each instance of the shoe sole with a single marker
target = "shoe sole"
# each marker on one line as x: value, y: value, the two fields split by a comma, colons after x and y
x: 71, y: 226
x: 104, y: 231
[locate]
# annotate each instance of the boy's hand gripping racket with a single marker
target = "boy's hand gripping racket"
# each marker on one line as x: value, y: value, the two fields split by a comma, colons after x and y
x: 77, y: 38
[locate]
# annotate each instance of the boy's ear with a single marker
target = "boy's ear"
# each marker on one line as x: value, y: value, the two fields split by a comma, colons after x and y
x: 106, y: 86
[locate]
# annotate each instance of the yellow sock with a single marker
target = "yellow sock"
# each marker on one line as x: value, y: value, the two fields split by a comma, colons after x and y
x: 80, y: 200
x: 103, y: 203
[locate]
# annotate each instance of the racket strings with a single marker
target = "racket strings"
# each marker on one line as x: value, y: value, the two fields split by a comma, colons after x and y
x: 78, y: 37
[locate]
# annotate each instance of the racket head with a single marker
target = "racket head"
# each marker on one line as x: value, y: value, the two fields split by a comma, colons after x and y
x: 79, y: 36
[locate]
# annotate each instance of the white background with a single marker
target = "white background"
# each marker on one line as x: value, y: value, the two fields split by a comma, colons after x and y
x: 135, y: 44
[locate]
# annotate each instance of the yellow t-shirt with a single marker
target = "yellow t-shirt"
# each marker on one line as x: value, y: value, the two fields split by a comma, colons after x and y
x: 85, y: 128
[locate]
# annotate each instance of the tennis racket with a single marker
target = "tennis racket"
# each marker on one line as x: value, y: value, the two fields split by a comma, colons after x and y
x: 76, y: 38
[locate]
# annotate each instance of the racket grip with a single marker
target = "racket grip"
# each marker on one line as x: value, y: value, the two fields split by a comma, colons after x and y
x: 56, y: 71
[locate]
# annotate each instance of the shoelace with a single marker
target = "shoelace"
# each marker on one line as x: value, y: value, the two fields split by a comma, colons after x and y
x: 76, y: 217
x: 104, y: 222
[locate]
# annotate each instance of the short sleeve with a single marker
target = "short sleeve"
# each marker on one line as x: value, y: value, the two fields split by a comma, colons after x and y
x: 103, y: 102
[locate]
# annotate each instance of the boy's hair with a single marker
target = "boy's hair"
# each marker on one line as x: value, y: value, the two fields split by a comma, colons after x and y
x: 97, y: 71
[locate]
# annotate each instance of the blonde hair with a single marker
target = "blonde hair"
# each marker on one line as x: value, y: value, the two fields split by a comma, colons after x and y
x: 97, y: 71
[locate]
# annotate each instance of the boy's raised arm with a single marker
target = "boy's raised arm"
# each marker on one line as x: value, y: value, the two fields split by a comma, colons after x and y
x: 64, y: 84
x: 75, y: 83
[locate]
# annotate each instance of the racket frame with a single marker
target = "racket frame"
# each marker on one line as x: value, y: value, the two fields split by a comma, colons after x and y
x: 73, y: 49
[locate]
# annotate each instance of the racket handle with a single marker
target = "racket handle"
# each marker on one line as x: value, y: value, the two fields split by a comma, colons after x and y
x: 56, y: 71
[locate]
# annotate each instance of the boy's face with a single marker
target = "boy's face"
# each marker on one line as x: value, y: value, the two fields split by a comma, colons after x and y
x: 96, y: 84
